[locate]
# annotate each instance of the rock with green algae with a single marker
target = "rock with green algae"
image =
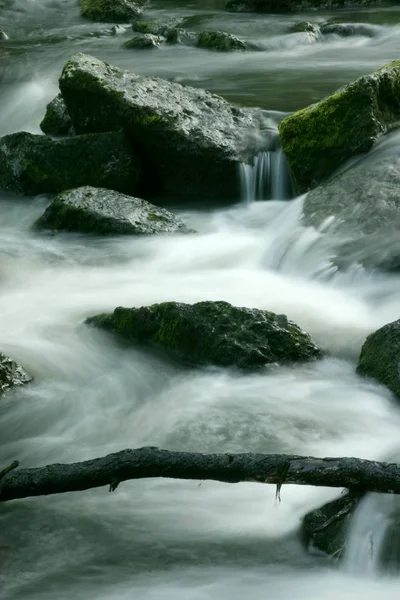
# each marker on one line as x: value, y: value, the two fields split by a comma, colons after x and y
x: 143, y: 41
x: 320, y: 138
x: 157, y: 26
x: 56, y: 121
x: 113, y: 11
x: 311, y: 30
x: 288, y: 6
x: 11, y: 374
x: 380, y: 357
x: 35, y: 164
x: 327, y: 527
x: 213, y: 333
x: 220, y: 41
x: 191, y: 142
x: 105, y: 212
x: 182, y: 37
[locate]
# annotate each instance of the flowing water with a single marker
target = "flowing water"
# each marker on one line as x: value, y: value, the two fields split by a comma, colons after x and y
x: 162, y: 539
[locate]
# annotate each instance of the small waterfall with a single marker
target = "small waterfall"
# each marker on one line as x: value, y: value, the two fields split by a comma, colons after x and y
x: 267, y: 178
x: 374, y: 541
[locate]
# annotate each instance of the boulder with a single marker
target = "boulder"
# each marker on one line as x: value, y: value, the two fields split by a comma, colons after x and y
x: 327, y: 527
x: 288, y: 6
x: 380, y: 357
x: 349, y: 29
x: 143, y: 41
x: 114, y: 11
x: 191, y: 142
x: 311, y: 30
x: 157, y: 26
x: 11, y: 374
x: 364, y: 202
x: 56, y: 121
x: 320, y: 138
x: 220, y: 41
x: 105, y: 212
x: 183, y: 37
x: 213, y: 333
x: 35, y: 164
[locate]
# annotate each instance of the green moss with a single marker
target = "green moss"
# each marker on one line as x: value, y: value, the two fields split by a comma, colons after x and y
x: 117, y: 11
x: 220, y: 41
x: 320, y: 138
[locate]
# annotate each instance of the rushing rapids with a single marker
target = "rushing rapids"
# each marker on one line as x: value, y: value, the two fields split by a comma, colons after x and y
x: 91, y: 395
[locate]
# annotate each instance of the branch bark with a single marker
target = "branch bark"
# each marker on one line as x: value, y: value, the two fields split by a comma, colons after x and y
x: 355, y: 474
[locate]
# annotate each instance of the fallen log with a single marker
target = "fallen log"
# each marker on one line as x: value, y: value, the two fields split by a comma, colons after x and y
x: 355, y: 474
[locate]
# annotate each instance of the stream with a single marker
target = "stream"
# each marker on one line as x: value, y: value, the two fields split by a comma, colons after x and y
x: 169, y: 539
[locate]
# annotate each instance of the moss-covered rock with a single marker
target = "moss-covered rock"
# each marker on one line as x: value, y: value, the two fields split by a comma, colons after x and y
x: 320, y: 138
x: 288, y: 6
x: 56, y: 121
x: 143, y: 41
x: 191, y: 141
x: 35, y: 164
x: 380, y: 357
x: 327, y: 527
x: 213, y: 333
x: 105, y: 212
x: 220, y: 41
x: 114, y: 11
x: 11, y: 374
x: 157, y: 26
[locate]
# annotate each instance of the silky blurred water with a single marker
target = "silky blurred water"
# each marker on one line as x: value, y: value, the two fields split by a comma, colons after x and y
x: 172, y: 539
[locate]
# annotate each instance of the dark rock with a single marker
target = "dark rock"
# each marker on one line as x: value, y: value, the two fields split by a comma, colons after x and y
x: 380, y: 357
x: 288, y: 6
x: 213, y: 333
x: 57, y: 121
x: 312, y: 30
x: 191, y: 141
x: 35, y: 164
x: 143, y: 41
x: 364, y: 202
x: 320, y: 138
x: 182, y: 37
x: 11, y: 374
x: 118, y: 30
x: 3, y: 35
x: 114, y: 11
x: 327, y: 528
x: 105, y: 212
x: 220, y: 41
x: 157, y: 26
x: 349, y: 29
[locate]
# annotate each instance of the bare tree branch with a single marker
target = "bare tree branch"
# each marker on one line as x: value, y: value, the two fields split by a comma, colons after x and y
x: 353, y: 473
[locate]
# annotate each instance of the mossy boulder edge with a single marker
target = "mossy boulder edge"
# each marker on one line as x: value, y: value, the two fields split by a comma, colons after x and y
x: 320, y: 138
x: 11, y: 374
x: 213, y: 333
x: 380, y: 357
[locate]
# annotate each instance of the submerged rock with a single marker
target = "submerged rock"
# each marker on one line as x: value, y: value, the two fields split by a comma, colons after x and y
x: 380, y: 357
x: 143, y: 40
x: 320, y: 138
x: 363, y: 204
x: 213, y: 333
x: 11, y: 374
x: 310, y: 31
x: 191, y: 141
x: 327, y: 528
x: 95, y: 210
x: 349, y: 29
x: 114, y: 11
x: 288, y: 6
x: 35, y: 164
x: 220, y: 41
x: 56, y: 121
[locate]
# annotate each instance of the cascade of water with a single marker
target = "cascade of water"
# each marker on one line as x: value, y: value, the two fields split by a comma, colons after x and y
x: 267, y: 178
